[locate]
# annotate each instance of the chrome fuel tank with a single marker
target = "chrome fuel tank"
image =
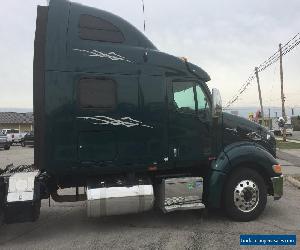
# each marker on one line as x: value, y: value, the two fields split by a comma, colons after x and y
x: 116, y: 200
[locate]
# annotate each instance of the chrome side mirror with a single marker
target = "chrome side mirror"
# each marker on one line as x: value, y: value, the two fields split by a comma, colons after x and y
x: 216, y: 103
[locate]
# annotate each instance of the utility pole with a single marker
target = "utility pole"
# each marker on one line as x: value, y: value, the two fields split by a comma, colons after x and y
x: 259, y: 94
x: 282, y: 95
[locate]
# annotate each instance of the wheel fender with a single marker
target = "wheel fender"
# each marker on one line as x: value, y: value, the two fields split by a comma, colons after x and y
x: 235, y: 155
x: 251, y: 155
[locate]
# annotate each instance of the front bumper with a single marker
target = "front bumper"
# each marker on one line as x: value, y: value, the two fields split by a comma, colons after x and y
x: 277, y: 187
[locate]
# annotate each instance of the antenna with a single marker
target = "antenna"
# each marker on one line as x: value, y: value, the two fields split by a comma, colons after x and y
x: 144, y: 15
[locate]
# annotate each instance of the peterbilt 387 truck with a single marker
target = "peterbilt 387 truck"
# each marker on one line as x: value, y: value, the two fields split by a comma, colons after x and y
x: 135, y: 127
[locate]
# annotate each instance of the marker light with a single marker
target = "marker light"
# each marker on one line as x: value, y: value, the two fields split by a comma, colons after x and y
x: 277, y: 169
x: 183, y: 59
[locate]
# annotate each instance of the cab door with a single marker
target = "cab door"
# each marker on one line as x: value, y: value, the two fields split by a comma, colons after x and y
x: 189, y: 129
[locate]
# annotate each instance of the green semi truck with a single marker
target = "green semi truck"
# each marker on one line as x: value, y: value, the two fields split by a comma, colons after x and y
x: 132, y: 126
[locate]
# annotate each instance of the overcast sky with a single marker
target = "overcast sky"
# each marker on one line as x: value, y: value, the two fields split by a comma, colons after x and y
x: 226, y: 38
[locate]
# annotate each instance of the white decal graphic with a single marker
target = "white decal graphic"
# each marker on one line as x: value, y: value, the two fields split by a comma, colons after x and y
x: 110, y: 55
x: 104, y: 120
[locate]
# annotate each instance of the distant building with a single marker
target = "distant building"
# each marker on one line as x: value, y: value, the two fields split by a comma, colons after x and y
x: 13, y: 120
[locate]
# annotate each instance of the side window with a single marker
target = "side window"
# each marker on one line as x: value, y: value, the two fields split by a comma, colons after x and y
x: 97, y: 94
x: 202, y: 104
x: 184, y: 97
x: 98, y: 29
x: 201, y: 99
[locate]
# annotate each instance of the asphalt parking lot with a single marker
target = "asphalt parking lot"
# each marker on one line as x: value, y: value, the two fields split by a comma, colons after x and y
x: 66, y: 226
x: 16, y: 155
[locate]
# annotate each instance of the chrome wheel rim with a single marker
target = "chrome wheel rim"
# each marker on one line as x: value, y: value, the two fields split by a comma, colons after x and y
x: 246, y: 196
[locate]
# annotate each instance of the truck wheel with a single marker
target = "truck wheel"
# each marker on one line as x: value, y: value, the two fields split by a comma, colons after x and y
x: 245, y: 195
x: 7, y: 147
x: 23, y: 144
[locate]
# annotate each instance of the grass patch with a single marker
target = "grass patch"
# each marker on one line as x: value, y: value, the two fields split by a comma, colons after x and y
x: 287, y: 145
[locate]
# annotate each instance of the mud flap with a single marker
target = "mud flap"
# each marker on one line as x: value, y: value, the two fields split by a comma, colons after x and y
x: 21, y: 199
x: 16, y: 212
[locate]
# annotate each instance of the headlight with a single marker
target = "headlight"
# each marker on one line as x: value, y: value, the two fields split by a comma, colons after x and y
x: 277, y: 169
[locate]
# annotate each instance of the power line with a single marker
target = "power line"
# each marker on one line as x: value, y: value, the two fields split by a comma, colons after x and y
x: 276, y: 54
x: 290, y: 45
x: 293, y: 42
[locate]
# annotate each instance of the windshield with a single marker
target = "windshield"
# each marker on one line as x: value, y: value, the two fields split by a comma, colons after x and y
x: 288, y: 126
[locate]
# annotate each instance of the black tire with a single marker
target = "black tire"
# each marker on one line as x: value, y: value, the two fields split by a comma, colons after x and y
x: 257, y: 200
x: 7, y: 147
x: 23, y: 144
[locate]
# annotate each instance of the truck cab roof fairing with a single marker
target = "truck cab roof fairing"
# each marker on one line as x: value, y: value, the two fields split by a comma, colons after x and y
x: 71, y: 48
x: 133, y: 37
